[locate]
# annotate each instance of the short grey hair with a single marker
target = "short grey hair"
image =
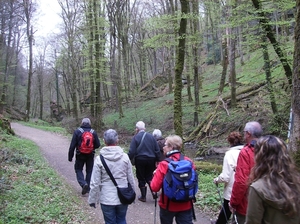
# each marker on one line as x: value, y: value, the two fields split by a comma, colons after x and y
x: 140, y: 125
x: 110, y: 137
x: 254, y: 128
x: 86, y: 121
x: 157, y: 133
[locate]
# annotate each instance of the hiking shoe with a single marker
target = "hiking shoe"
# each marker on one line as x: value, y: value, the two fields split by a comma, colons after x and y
x: 85, y: 189
x: 142, y: 199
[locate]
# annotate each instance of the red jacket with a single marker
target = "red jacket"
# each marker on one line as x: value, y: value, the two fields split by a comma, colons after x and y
x: 239, y: 193
x: 157, y: 183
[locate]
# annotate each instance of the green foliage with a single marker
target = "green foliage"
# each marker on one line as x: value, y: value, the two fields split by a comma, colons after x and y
x: 296, y: 157
x: 43, y: 125
x: 152, y: 112
x: 32, y: 192
x: 208, y: 198
x: 208, y: 167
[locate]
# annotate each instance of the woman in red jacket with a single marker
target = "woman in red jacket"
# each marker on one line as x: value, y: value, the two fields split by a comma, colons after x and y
x: 182, y: 211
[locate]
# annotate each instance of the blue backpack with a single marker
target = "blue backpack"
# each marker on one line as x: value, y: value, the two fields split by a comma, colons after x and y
x: 181, y: 180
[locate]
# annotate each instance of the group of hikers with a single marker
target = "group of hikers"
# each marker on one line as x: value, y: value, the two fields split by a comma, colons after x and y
x: 261, y: 181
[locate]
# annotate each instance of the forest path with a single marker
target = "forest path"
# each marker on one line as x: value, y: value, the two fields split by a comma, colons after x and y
x: 54, y: 148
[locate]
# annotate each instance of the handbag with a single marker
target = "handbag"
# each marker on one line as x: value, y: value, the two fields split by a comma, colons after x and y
x: 126, y: 194
x: 137, y: 150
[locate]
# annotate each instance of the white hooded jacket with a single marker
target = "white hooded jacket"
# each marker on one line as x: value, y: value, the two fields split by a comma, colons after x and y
x: 102, y: 188
x: 228, y: 170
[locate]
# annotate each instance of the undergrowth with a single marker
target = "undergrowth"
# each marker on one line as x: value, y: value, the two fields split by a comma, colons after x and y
x: 32, y: 192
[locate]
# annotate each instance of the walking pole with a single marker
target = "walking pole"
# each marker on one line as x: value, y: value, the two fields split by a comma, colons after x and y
x: 235, y: 218
x: 155, y: 204
x: 154, y: 195
x: 222, y: 202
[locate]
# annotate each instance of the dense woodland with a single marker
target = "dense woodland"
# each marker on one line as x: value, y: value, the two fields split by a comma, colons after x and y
x: 108, y: 51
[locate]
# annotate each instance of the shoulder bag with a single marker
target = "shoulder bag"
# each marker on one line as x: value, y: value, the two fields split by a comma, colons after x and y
x: 127, y: 194
x: 137, y: 150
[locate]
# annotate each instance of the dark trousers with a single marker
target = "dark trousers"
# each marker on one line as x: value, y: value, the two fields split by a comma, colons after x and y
x: 88, y: 161
x: 182, y: 217
x: 224, y: 214
x: 144, y: 170
x: 240, y: 218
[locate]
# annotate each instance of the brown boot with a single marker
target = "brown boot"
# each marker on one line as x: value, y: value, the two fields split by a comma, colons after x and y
x: 143, y: 190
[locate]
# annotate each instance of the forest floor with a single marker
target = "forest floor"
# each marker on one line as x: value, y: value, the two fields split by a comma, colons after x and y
x: 54, y: 148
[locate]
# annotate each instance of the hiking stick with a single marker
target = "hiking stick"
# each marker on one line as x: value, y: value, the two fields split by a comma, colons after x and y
x: 154, y: 195
x: 222, y: 203
x: 155, y: 205
x: 235, y: 218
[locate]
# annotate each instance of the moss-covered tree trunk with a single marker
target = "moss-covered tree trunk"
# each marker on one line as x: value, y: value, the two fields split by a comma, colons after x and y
x: 295, y: 127
x: 267, y: 69
x: 179, y: 68
x: 196, y: 67
x: 265, y: 23
x: 224, y: 67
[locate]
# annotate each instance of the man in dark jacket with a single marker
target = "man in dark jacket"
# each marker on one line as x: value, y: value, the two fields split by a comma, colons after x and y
x: 82, y: 159
x: 146, y: 157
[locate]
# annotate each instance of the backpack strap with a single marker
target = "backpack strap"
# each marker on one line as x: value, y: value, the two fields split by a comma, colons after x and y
x: 81, y: 130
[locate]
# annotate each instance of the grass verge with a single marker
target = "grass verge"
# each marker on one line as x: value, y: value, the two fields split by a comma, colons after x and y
x: 31, y: 191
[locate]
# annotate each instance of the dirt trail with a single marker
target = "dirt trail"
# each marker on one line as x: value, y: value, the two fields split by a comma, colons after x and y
x: 55, y: 147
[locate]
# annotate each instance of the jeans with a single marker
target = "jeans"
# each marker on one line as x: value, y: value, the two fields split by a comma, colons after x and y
x: 114, y: 214
x: 88, y: 161
x: 182, y: 217
x: 224, y: 216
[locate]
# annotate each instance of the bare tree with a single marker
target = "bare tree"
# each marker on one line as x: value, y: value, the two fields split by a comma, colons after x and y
x: 10, y: 36
x: 28, y: 11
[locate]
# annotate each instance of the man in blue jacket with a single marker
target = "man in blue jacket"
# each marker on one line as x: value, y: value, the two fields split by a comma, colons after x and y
x: 146, y: 151
x: 84, y: 156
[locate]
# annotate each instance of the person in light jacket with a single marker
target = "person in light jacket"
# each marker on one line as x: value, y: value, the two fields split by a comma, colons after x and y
x: 102, y: 187
x: 227, y: 176
x: 275, y: 185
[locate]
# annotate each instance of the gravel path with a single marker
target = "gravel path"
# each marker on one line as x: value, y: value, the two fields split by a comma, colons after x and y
x: 55, y: 147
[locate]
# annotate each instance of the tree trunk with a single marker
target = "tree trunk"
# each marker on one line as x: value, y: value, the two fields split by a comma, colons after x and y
x: 224, y: 67
x: 264, y: 21
x: 97, y: 46
x: 294, y: 131
x: 179, y: 68
x: 91, y: 64
x: 196, y: 63
x: 232, y: 72
x: 268, y: 74
x: 29, y: 32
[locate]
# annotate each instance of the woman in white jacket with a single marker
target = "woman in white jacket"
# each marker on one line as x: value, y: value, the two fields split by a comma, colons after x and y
x: 102, y: 188
x: 227, y: 175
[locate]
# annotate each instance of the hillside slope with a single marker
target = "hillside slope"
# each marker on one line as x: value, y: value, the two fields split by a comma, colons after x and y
x: 253, y: 103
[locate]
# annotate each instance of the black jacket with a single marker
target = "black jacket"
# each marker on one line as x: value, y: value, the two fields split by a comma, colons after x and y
x: 76, y: 141
x: 149, y: 147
